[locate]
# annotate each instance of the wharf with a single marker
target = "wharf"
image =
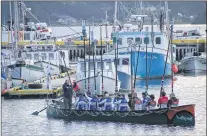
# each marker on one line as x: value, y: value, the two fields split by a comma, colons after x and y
x: 38, y: 89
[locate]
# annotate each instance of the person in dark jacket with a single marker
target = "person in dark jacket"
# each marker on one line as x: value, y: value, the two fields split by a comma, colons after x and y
x: 67, y: 93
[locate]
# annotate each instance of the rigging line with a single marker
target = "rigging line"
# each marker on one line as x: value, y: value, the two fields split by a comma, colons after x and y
x: 58, y: 18
x: 137, y: 64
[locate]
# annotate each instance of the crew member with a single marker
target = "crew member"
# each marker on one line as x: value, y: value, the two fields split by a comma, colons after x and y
x: 67, y: 93
x: 81, y: 103
x: 145, y: 101
x: 107, y: 101
x: 75, y: 86
x: 173, y: 101
x: 152, y: 103
x: 163, y: 100
x: 92, y: 102
x: 136, y: 103
x: 123, y: 104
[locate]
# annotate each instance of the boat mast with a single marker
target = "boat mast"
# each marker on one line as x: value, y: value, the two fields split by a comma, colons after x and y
x: 171, y: 49
x: 16, y: 24
x: 11, y: 22
x: 115, y: 13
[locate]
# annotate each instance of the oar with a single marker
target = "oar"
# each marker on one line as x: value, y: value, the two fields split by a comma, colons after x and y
x: 37, y: 112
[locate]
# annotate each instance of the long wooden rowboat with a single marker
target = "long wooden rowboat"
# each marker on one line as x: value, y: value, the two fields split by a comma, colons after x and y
x: 181, y: 115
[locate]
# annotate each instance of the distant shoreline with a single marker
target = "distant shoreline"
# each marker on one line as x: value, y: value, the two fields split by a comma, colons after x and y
x: 111, y: 25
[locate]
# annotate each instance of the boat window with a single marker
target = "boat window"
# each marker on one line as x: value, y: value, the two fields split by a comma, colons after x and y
x: 138, y: 40
x: 119, y: 41
x: 29, y: 56
x: 108, y: 65
x: 129, y: 40
x: 99, y: 65
x: 27, y: 36
x: 146, y: 40
x: 125, y: 61
x: 36, y: 56
x: 51, y: 56
x: 158, y: 40
x: 43, y: 55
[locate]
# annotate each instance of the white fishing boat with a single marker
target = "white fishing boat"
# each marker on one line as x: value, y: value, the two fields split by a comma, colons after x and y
x: 193, y: 62
x: 87, y: 76
x: 25, y: 70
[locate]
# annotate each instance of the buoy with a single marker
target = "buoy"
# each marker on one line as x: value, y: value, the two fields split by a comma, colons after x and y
x: 174, y: 68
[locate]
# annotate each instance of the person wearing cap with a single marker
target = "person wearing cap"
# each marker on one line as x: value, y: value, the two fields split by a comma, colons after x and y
x: 145, y: 101
x: 106, y: 101
x: 152, y: 103
x: 163, y: 100
x: 67, y: 93
x: 173, y: 101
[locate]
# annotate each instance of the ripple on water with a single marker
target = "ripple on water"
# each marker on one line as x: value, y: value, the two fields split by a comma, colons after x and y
x: 17, y: 118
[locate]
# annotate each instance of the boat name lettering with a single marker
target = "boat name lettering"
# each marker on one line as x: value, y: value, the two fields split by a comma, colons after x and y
x: 149, y: 57
x: 184, y: 118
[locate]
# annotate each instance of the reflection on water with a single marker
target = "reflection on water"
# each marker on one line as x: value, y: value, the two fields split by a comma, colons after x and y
x: 18, y: 121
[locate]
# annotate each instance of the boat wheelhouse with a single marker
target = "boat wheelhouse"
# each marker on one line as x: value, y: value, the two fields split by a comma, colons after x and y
x: 86, y: 76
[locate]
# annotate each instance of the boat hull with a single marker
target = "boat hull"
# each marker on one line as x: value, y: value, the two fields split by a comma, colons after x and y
x: 125, y: 80
x: 28, y: 72
x: 182, y: 115
x: 193, y: 65
x: 157, y: 64
x: 109, y: 84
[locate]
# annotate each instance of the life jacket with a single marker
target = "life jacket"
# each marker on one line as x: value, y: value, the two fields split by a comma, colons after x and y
x: 137, y: 104
x: 145, y: 102
x: 93, y: 104
x: 108, y: 104
x: 81, y: 104
x: 175, y: 103
x: 163, y: 101
x: 75, y: 87
x: 123, y: 105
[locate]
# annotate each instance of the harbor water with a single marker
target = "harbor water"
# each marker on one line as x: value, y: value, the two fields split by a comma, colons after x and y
x: 17, y: 119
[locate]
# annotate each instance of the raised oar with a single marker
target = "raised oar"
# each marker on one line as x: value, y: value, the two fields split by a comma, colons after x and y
x: 37, y: 112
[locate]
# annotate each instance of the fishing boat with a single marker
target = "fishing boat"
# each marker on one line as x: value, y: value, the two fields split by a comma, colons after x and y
x: 193, y: 62
x: 25, y: 70
x: 181, y: 115
x: 109, y: 77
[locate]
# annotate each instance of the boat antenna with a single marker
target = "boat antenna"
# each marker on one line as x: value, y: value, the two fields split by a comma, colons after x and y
x: 89, y: 74
x: 101, y: 58
x: 84, y: 44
